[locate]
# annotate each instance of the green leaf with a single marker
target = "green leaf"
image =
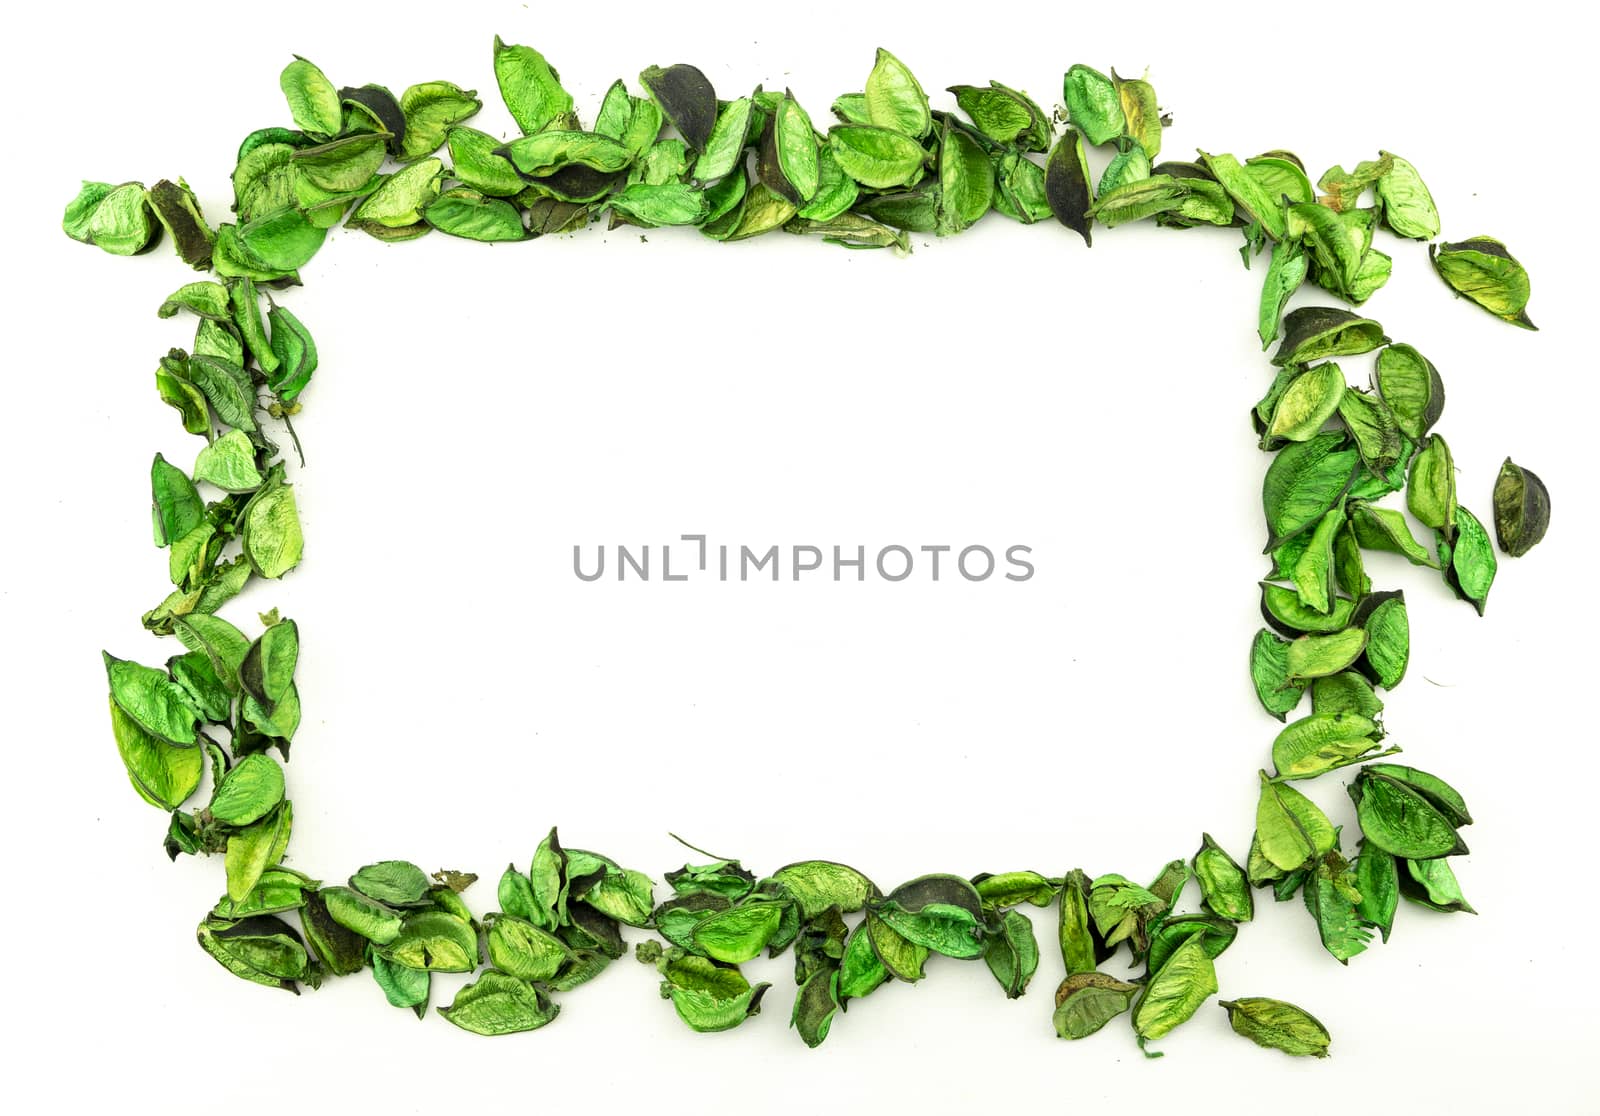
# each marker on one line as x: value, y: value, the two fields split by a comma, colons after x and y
x: 152, y: 701
x: 1485, y: 272
x: 1012, y: 954
x: 398, y: 883
x: 1176, y: 991
x: 1087, y: 1001
x: 229, y: 463
x: 1093, y: 104
x: 271, y: 533
x: 876, y: 157
x: 436, y: 941
x: 164, y: 774
x: 248, y: 791
x: 176, y: 508
x: 1277, y: 1025
x: 1290, y: 829
x: 468, y: 214
x: 686, y: 98
x: 530, y: 87
x: 894, y: 100
x: 313, y: 100
x: 263, y: 949
x: 1408, y: 207
x: 1521, y: 509
x: 740, y: 933
x: 523, y: 950
x: 1399, y: 820
x: 432, y: 109
x: 255, y: 848
x: 817, y: 885
x: 500, y: 1004
x: 1304, y: 480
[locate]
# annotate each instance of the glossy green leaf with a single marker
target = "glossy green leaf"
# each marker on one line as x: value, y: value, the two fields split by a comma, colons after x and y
x: 941, y: 913
x: 1468, y: 561
x: 1386, y: 529
x: 164, y: 774
x: 1277, y: 1025
x: 1396, y: 818
x: 431, y: 109
x: 366, y: 917
x: 817, y: 885
x: 1012, y: 889
x: 524, y: 951
x: 966, y: 181
x: 1310, y: 401
x: 707, y: 996
x: 1411, y: 386
x: 1269, y: 671
x: 313, y: 100
x: 251, y: 788
x: 296, y: 352
x: 670, y: 203
x: 1315, y: 656
x: 1285, y: 273
x: 530, y: 87
x: 876, y: 157
x: 227, y: 387
x: 255, y: 848
x: 1215, y: 933
x: 474, y: 164
x: 1482, y: 270
x: 263, y: 949
x: 1439, y: 794
x: 1433, y: 884
x: 1087, y: 1001
x: 1521, y: 509
x: 397, y: 883
x: 152, y: 701
x: 740, y: 933
x: 339, y: 950
x: 1407, y: 205
x: 1284, y: 610
x: 1376, y: 878
x: 270, y: 531
x: 1321, y: 743
x: 402, y: 986
x: 1093, y: 104
x: 1388, y: 629
x: 1141, y: 116
x: 1431, y: 487
x: 1290, y: 829
x: 686, y: 98
x: 894, y: 99
x: 1004, y: 115
x: 1066, y: 185
x: 1223, y: 884
x: 1313, y: 333
x: 1012, y: 954
x: 176, y: 508
x: 860, y: 970
x: 436, y: 941
x: 1304, y: 480
x: 901, y: 958
x: 500, y: 1004
x: 399, y: 202
x: 229, y: 463
x: 1176, y: 991
x: 726, y: 143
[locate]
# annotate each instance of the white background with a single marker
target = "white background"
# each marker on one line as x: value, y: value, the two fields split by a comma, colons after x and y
x: 480, y: 410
